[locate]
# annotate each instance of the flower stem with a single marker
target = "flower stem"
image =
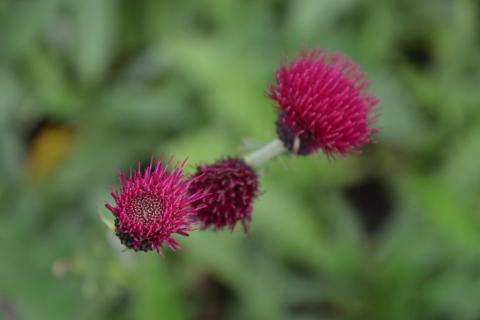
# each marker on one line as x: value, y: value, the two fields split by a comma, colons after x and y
x: 266, y: 153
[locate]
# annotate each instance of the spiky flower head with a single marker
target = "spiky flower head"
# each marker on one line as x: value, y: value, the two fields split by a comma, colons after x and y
x: 152, y: 206
x: 323, y: 104
x: 232, y: 186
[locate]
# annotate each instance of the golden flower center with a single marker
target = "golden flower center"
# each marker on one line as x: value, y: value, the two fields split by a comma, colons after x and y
x: 146, y: 208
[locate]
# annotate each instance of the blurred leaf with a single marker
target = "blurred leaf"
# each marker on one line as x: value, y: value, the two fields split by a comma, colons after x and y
x: 461, y: 169
x: 290, y: 228
x: 11, y: 93
x: 224, y: 254
x: 52, y: 90
x: 442, y: 211
x: 307, y: 17
x: 22, y: 23
x: 455, y: 293
x: 192, y: 146
x: 131, y: 105
x: 232, y: 82
x: 401, y: 123
x: 156, y: 295
x: 95, y: 31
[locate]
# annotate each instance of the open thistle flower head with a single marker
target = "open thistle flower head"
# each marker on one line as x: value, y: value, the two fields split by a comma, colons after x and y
x: 323, y: 104
x: 231, y: 187
x: 152, y: 206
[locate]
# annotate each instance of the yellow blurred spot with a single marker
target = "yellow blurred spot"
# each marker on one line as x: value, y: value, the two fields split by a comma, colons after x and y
x: 47, y: 151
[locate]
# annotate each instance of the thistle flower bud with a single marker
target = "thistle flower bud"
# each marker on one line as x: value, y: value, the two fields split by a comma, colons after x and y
x: 232, y: 186
x: 322, y: 104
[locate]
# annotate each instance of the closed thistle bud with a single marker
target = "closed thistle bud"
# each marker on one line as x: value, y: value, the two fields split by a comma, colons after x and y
x: 231, y: 186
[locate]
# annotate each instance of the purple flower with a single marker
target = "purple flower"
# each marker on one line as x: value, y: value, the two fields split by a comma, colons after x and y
x: 151, y: 207
x: 323, y: 104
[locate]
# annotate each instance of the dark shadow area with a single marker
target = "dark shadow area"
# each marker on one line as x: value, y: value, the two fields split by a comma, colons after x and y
x: 372, y: 200
x: 212, y: 299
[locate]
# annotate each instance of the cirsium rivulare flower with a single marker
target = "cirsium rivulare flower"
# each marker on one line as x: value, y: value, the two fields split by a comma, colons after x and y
x: 323, y: 104
x: 153, y: 205
x: 232, y: 186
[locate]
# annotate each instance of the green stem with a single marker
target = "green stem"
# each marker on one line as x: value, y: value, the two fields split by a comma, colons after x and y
x: 266, y: 153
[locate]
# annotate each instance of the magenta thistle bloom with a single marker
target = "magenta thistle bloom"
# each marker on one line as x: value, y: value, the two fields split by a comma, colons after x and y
x: 322, y: 104
x: 151, y: 207
x: 232, y: 186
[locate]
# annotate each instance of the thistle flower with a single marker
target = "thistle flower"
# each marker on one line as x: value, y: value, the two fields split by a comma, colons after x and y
x: 232, y: 186
x: 151, y: 207
x: 322, y: 104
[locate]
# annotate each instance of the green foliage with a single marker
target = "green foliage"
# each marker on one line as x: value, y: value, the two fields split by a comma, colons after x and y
x: 88, y: 87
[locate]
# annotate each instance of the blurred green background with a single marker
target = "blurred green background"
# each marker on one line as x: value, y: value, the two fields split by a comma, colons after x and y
x: 91, y: 86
